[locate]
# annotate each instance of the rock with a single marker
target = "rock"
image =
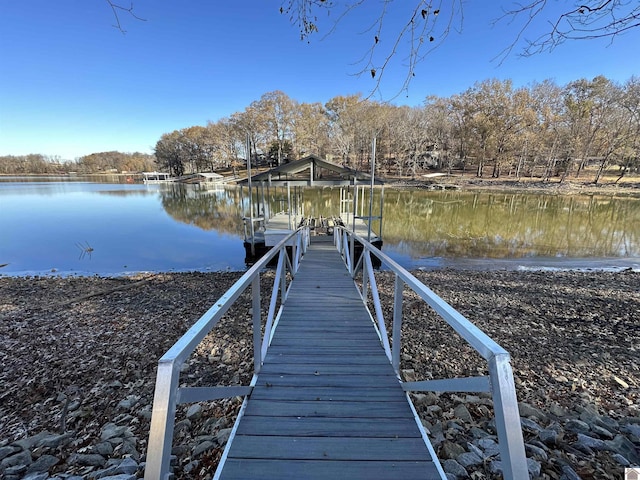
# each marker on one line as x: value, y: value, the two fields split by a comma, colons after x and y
x: 469, y: 459
x: 36, y: 476
x: 129, y: 402
x: 104, y: 448
x: 621, y: 460
x: 121, y: 476
x: 530, y: 411
x: 549, y: 436
x: 569, y: 473
x: 194, y: 411
x: 87, y: 460
x: 455, y: 469
x: 451, y: 450
x: 529, y: 425
x: 632, y: 429
x: 8, y: 450
x: 30, y: 442
x: 590, y: 443
x: 55, y: 441
x: 20, y: 458
x: 534, y: 468
x: 107, y: 472
x: 203, y: 447
x: 558, y: 410
x: 191, y: 466
x: 15, y: 470
x: 128, y: 465
x: 111, y: 430
x: 462, y: 412
x: 576, y: 426
x: 223, y: 436
x: 489, y: 447
x: 43, y: 463
x: 622, y: 446
x: 409, y: 375
x: 536, y: 451
x: 601, y: 432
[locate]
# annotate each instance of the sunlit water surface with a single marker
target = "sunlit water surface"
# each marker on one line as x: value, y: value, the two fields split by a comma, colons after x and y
x: 80, y: 227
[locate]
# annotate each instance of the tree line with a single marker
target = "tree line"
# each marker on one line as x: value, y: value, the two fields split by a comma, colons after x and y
x: 492, y: 128
x: 103, y: 162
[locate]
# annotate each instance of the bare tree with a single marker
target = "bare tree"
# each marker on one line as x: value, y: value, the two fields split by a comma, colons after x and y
x: 118, y: 9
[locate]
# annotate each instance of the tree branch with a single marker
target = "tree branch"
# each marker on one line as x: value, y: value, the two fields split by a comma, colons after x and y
x: 117, y: 9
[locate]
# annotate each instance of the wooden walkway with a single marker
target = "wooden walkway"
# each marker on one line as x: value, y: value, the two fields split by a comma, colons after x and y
x: 327, y: 403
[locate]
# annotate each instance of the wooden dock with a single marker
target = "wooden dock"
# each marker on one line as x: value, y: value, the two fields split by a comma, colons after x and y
x: 327, y: 403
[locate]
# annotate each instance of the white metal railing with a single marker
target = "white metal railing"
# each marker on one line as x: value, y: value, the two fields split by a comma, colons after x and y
x: 500, y: 380
x: 168, y: 394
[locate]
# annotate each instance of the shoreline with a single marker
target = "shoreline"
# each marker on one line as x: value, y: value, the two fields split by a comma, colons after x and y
x: 80, y: 355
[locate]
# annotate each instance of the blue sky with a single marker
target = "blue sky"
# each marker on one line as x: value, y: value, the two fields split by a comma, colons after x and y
x: 71, y: 84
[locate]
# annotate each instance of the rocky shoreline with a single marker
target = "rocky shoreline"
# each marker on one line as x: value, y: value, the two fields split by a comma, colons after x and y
x: 79, y: 356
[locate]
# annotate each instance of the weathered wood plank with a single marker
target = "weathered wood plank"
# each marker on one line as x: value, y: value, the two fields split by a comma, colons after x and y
x: 334, y: 448
x: 236, y: 469
x: 337, y: 381
x: 312, y: 358
x: 277, y: 392
x: 327, y: 369
x: 342, y: 409
x: 329, y: 427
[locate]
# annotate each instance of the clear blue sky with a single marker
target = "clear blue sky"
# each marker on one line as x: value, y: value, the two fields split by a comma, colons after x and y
x: 71, y: 84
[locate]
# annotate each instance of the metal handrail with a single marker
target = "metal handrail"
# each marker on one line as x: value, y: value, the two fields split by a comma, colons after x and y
x: 168, y: 394
x: 500, y: 380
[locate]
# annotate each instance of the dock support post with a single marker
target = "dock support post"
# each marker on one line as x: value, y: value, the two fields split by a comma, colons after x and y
x: 505, y: 406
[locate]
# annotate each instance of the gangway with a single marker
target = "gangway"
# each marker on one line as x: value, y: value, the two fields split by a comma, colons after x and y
x: 326, y: 399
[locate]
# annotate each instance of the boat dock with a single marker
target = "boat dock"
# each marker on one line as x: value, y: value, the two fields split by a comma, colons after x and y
x: 327, y: 402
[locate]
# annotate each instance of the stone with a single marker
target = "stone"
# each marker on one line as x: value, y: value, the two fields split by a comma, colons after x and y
x: 8, y: 450
x: 55, y: 441
x: 111, y: 430
x: 121, y: 476
x: 223, y: 436
x: 633, y: 430
x: 621, y: 460
x: 36, y: 476
x: 129, y: 402
x: 549, y: 436
x: 601, y: 432
x: 15, y: 470
x: 576, y: 426
x: 590, y: 443
x: 529, y: 411
x: 624, y: 447
x: 203, y: 447
x: 104, y: 448
x: 191, y: 466
x: 451, y: 450
x: 409, y: 375
x: 529, y: 425
x: 43, y: 463
x: 30, y: 442
x: 489, y: 447
x: 469, y: 459
x: 534, y: 468
x: 569, y: 473
x: 462, y: 412
x: 128, y: 465
x: 20, y: 458
x: 107, y: 472
x: 87, y: 460
x: 454, y: 468
x: 194, y: 411
x: 536, y: 451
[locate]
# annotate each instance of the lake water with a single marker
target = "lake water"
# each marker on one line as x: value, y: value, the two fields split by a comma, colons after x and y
x: 81, y: 227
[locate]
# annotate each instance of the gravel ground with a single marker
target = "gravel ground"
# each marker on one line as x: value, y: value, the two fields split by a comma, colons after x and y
x: 79, y: 355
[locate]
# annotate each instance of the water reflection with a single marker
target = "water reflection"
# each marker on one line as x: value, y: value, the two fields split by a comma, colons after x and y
x: 186, y: 227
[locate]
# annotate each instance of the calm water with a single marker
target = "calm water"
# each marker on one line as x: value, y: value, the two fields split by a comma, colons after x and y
x: 47, y: 227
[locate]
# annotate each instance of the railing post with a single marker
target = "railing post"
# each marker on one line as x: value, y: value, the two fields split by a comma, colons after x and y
x: 365, y: 276
x: 397, y: 324
x: 505, y: 406
x: 257, y: 337
x: 162, y: 420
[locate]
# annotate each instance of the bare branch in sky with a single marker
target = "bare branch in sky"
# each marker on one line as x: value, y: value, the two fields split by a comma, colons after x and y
x: 116, y: 8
